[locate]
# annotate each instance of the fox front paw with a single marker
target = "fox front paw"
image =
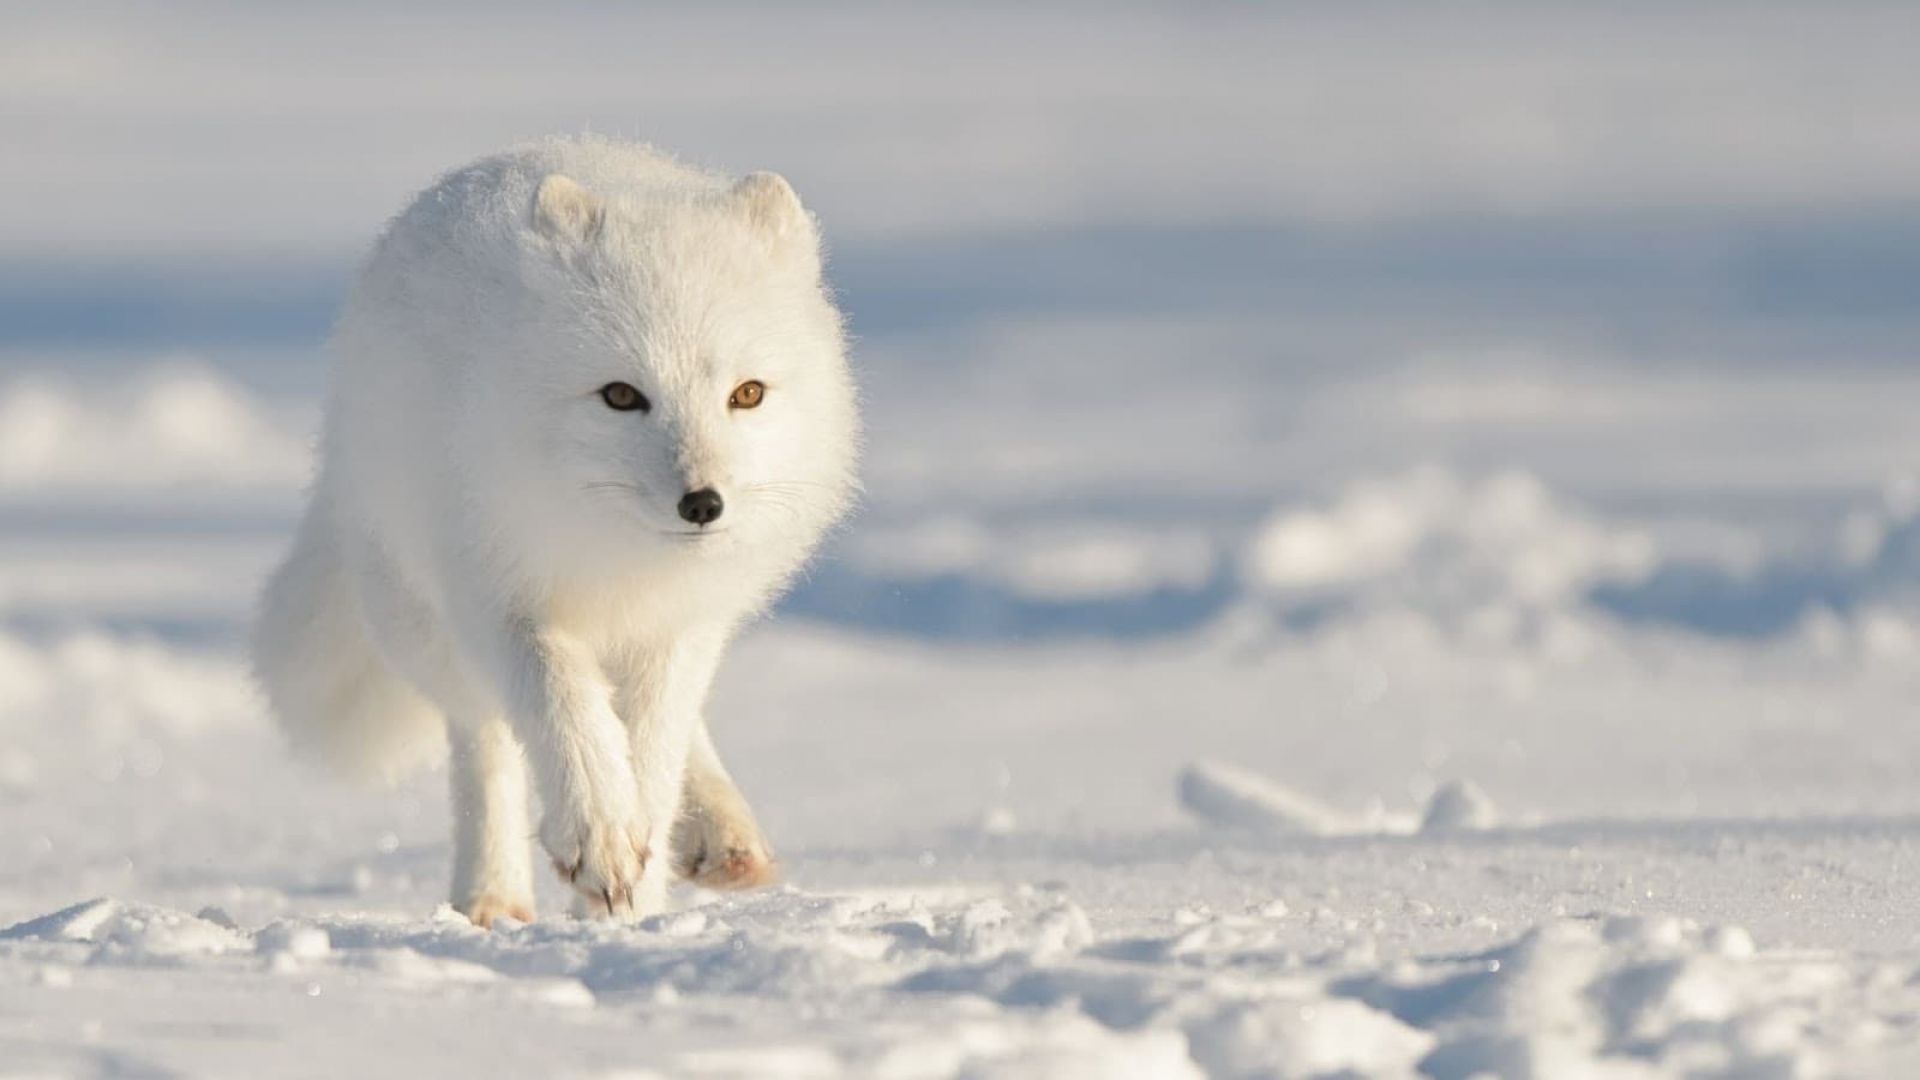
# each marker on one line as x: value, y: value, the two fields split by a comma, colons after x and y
x: 603, y: 860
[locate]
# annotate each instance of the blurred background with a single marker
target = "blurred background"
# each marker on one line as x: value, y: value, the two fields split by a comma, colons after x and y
x: 1382, y: 392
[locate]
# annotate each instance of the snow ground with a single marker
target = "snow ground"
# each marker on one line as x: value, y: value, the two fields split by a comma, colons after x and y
x: 1430, y: 590
x: 1189, y: 845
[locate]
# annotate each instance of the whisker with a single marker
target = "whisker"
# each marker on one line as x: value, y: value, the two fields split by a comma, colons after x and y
x: 788, y: 485
x: 614, y: 485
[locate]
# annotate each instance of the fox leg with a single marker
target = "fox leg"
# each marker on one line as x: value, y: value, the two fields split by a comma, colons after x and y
x: 716, y: 841
x: 492, y: 865
x: 487, y: 772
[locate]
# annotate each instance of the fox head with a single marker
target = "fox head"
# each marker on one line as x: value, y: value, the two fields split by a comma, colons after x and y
x: 677, y: 379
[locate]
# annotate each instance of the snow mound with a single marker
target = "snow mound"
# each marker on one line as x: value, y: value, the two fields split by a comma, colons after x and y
x: 1305, y: 1036
x: 1499, y: 557
x: 1074, y: 561
x: 1878, y: 572
x: 175, y: 430
x: 1059, y: 1045
x: 1854, y: 592
x: 130, y: 933
x: 1432, y: 541
x: 1627, y: 997
x: 111, y: 689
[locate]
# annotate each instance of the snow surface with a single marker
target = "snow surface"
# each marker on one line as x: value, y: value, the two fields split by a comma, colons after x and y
x: 1409, y: 800
x: 1430, y: 587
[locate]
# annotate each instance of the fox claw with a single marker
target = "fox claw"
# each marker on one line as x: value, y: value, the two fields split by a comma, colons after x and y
x: 603, y: 864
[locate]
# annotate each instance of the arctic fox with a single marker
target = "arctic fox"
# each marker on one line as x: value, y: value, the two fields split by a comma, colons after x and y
x: 590, y: 412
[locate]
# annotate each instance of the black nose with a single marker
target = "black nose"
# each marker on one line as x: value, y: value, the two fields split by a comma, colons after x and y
x: 701, y: 507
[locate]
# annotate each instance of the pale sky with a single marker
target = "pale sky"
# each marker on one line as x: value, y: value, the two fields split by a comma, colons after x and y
x: 145, y: 130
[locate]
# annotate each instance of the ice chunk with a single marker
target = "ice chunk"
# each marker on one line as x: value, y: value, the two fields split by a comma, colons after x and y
x: 1234, y: 798
x: 77, y: 923
x: 1458, y: 806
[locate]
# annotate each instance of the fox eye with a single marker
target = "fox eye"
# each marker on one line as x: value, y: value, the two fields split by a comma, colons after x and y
x: 748, y: 394
x: 623, y: 397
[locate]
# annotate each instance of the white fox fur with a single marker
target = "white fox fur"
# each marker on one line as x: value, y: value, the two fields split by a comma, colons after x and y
x: 494, y: 551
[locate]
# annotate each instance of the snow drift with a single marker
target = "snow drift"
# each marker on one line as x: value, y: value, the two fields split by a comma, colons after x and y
x: 176, y: 430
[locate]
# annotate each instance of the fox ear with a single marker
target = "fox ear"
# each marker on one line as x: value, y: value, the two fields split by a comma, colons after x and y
x: 564, y: 210
x: 770, y: 204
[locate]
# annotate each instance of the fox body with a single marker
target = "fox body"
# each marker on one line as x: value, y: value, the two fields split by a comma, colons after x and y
x: 590, y: 412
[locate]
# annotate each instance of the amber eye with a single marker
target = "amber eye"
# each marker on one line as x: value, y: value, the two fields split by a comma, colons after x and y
x: 624, y: 398
x: 748, y: 394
